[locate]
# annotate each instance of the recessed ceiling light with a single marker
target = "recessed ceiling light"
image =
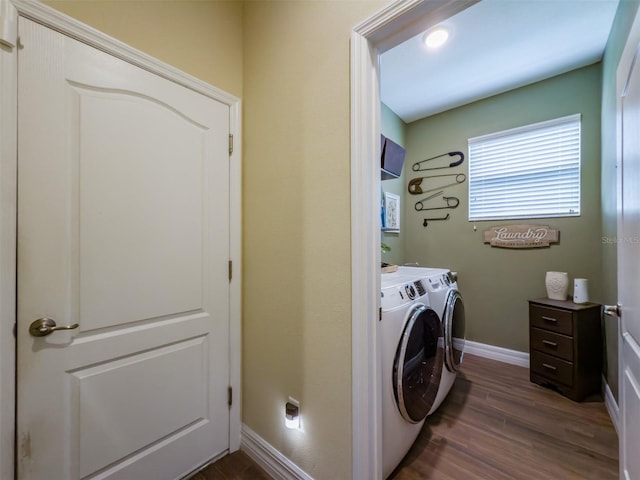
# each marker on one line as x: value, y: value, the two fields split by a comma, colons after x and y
x: 436, y: 38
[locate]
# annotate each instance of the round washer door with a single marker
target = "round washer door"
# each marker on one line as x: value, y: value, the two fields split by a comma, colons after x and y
x: 418, y: 364
x: 454, y: 330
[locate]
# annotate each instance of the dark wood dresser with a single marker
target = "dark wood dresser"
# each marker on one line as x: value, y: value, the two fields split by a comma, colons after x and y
x: 565, y: 344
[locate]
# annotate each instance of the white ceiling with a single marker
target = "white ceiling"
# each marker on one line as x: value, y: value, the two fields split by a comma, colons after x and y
x: 494, y: 46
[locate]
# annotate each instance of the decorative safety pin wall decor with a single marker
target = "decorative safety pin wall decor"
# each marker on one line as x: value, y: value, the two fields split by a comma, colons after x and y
x: 451, y: 202
x: 415, y: 188
x: 427, y: 220
x: 417, y: 167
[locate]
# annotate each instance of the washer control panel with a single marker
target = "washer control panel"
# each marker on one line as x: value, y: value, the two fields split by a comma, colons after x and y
x: 410, y: 290
x: 402, y: 294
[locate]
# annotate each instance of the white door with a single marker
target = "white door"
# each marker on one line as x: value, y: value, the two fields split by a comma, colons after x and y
x: 629, y: 273
x: 124, y: 231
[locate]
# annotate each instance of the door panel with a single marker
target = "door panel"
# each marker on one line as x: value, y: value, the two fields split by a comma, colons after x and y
x: 151, y: 223
x: 631, y: 412
x: 124, y: 229
x: 629, y: 273
x: 109, y: 423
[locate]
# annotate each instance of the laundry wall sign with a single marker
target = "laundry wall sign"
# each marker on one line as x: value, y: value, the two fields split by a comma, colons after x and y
x: 521, y: 236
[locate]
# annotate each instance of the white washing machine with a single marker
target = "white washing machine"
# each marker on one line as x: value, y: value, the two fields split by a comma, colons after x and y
x: 412, y: 360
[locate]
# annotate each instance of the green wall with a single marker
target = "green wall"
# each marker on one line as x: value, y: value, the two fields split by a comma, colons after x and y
x: 494, y: 282
x: 621, y: 26
x: 394, y: 128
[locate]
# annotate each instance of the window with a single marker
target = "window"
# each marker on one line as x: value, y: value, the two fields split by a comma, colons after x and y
x: 526, y: 172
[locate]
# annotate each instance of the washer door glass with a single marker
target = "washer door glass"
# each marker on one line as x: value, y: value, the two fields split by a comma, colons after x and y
x: 418, y: 364
x: 454, y: 330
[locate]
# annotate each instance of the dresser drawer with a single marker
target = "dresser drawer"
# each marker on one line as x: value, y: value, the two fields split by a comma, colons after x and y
x: 559, y: 321
x: 552, y: 343
x: 552, y: 368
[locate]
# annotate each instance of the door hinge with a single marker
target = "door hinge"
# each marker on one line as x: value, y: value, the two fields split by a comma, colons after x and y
x: 230, y: 396
x: 230, y: 269
x: 230, y: 143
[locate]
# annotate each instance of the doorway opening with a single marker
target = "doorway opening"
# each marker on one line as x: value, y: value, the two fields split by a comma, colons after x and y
x: 383, y: 31
x: 369, y: 41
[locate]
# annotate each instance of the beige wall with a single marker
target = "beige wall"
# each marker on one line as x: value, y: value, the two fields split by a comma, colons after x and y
x: 297, y: 292
x: 202, y: 38
x: 497, y: 282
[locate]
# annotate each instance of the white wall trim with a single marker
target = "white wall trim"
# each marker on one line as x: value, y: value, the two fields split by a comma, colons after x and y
x: 365, y: 270
x: 611, y: 404
x: 270, y: 459
x: 55, y: 20
x: 385, y: 29
x: 235, y: 286
x: 8, y: 209
x: 505, y: 355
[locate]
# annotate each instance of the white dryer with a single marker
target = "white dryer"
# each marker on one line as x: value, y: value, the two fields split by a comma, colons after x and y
x: 446, y: 301
x: 412, y: 360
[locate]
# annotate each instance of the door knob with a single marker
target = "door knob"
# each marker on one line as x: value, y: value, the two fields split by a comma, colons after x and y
x: 44, y: 326
x: 613, y: 310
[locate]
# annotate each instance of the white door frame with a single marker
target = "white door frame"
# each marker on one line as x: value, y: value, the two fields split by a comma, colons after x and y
x: 9, y: 12
x: 389, y: 27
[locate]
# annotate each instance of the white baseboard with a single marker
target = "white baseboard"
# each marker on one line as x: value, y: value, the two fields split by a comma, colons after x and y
x: 612, y: 405
x: 500, y: 354
x: 270, y: 459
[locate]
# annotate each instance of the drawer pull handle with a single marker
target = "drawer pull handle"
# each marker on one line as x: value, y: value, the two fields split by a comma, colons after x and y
x: 549, y: 367
x: 550, y: 319
x: 550, y: 343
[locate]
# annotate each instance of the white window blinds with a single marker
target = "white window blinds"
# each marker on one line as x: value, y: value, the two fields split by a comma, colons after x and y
x: 526, y: 172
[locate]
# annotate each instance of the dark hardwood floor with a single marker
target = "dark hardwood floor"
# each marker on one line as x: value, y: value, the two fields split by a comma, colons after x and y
x: 497, y: 425
x: 237, y: 466
x: 494, y: 425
